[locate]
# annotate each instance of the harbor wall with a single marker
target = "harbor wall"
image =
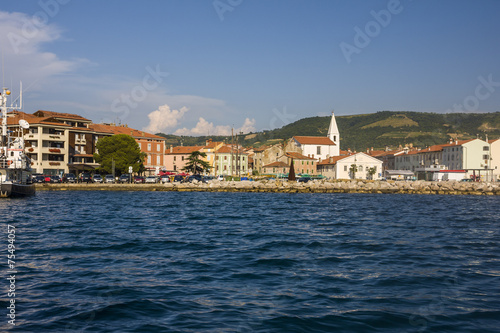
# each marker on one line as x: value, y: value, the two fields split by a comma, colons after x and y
x: 279, y: 186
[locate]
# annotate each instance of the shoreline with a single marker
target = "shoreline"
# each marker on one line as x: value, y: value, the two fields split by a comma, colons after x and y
x: 273, y: 186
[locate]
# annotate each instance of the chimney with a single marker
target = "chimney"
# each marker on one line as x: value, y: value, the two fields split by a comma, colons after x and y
x: 456, y: 142
x: 331, y: 159
x: 451, y: 141
x: 486, y: 138
x: 171, y: 149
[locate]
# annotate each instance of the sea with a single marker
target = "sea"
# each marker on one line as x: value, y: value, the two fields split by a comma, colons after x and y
x: 98, y: 261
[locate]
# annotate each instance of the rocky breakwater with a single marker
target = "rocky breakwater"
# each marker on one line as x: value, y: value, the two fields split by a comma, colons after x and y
x: 315, y: 186
x: 346, y: 186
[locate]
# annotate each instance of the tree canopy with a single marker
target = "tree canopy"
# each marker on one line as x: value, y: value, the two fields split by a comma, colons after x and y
x: 123, y: 150
x: 195, y: 164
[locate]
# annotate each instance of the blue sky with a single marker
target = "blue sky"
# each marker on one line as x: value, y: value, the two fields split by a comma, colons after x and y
x: 203, y: 66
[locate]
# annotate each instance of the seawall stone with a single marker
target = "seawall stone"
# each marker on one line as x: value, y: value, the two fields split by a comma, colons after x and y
x: 316, y: 186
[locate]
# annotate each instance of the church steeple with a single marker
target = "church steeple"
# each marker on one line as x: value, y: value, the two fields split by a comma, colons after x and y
x: 333, y: 131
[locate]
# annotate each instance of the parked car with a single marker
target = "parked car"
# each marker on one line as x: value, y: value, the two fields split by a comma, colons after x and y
x: 109, y: 179
x: 139, y: 180
x: 69, y: 178
x: 39, y: 179
x: 85, y: 178
x: 124, y: 178
x: 220, y: 177
x: 190, y: 179
x: 178, y: 178
x: 165, y: 179
x: 303, y: 180
x: 34, y: 175
x: 96, y: 178
x: 46, y: 178
x: 208, y: 178
x: 55, y: 179
x: 151, y: 179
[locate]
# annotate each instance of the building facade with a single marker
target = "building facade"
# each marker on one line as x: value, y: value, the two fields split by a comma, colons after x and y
x: 356, y: 166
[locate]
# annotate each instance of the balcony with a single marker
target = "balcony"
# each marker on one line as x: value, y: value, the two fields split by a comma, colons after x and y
x: 51, y: 150
x: 53, y: 137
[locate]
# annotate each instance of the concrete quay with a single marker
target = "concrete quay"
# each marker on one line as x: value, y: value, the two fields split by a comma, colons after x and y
x: 279, y: 186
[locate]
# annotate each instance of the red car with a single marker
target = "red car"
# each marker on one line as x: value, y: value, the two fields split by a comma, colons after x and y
x: 139, y: 180
x: 46, y: 179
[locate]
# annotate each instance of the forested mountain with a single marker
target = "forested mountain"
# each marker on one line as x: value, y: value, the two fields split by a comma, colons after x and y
x: 378, y: 130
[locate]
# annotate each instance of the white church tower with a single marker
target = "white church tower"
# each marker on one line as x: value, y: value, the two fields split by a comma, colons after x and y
x: 334, y: 135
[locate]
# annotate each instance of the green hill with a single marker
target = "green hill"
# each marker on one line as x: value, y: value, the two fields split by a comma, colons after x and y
x: 378, y: 130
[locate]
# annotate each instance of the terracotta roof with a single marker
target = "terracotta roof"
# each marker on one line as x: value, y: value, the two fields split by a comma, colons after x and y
x: 298, y: 156
x: 314, y: 140
x: 276, y: 164
x: 457, y: 143
x: 52, y: 114
x: 331, y: 160
x: 228, y: 150
x: 375, y: 152
x: 212, y: 145
x: 183, y: 150
x: 388, y: 153
x: 432, y: 149
x: 112, y: 129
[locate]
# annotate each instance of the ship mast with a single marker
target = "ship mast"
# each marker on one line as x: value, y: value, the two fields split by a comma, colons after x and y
x: 3, y: 106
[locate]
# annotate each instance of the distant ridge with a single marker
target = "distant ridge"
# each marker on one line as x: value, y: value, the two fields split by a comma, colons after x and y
x: 378, y: 130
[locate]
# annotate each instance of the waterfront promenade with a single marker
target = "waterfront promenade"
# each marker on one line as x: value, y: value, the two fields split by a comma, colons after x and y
x: 279, y: 186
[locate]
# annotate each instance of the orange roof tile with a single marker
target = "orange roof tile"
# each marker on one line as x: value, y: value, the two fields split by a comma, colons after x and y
x: 314, y: 140
x: 104, y: 128
x: 332, y: 160
x: 276, y: 164
x: 52, y: 114
x: 298, y: 156
x: 457, y: 143
x: 183, y: 150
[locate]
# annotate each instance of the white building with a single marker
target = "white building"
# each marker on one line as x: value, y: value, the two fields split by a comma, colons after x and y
x: 317, y: 147
x: 356, y: 166
x: 495, y: 158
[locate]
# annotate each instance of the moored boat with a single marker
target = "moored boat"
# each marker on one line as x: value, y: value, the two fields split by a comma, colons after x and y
x: 15, y: 166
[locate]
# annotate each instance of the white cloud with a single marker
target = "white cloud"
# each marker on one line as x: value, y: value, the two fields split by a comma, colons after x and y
x: 203, y: 127
x: 164, y: 118
x: 22, y: 40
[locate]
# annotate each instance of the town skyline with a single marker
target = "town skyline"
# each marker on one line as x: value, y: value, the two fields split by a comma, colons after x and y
x: 205, y: 67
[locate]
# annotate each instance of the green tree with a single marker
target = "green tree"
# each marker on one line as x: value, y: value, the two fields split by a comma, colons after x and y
x: 123, y: 150
x: 195, y: 164
x: 371, y: 172
x: 353, y: 169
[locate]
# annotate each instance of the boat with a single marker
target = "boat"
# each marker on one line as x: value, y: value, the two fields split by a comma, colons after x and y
x: 15, y: 166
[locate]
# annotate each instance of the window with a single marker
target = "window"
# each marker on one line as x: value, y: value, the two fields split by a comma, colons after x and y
x: 334, y: 138
x: 157, y: 147
x: 360, y: 168
x: 345, y: 167
x: 486, y: 157
x: 486, y: 148
x: 175, y: 158
x: 149, y: 147
x: 225, y: 159
x: 149, y: 159
x: 182, y: 158
x: 318, y: 150
x: 158, y: 159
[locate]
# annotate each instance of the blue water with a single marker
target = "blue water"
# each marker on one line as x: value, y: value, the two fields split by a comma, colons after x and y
x: 253, y: 262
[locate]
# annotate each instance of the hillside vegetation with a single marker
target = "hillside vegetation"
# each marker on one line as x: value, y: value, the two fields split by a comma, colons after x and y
x: 378, y: 130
